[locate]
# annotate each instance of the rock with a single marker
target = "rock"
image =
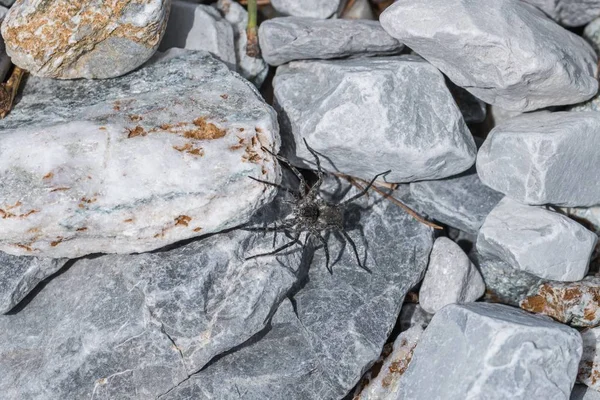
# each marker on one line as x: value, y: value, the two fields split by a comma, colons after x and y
x: 5, y: 62
x: 479, y: 350
x: 450, y: 278
x: 341, y: 321
x: 573, y: 303
x: 556, y: 247
x: 461, y: 201
x: 20, y: 275
x: 67, y: 40
x: 294, y: 38
x: 307, y: 8
x: 373, y: 114
x: 569, y: 12
x: 133, y: 164
x: 553, y: 158
x: 587, y: 216
x: 7, y: 3
x: 505, y: 52
x: 592, y: 34
x: 473, y: 110
x: 119, y: 325
x: 251, y: 68
x: 500, y: 115
x: 412, y: 314
x: 200, y: 27
x: 582, y: 392
x: 359, y: 9
x: 589, y: 367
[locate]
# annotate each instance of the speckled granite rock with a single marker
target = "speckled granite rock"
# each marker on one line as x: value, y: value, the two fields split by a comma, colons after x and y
x: 67, y: 40
x: 553, y: 158
x: 307, y: 8
x: 589, y: 367
x: 135, y: 163
x: 556, y: 247
x: 451, y: 278
x: 582, y: 392
x: 293, y: 38
x: 505, y: 52
x: 460, y: 201
x: 569, y: 12
x: 573, y: 303
x: 479, y: 350
x: 369, y: 115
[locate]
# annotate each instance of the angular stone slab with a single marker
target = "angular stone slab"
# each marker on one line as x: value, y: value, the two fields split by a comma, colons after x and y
x: 293, y: 38
x: 135, y: 163
x: 370, y: 115
x: 506, y: 52
x: 544, y: 158
x: 480, y: 350
x: 461, y: 201
x: 538, y: 241
x: 67, y: 40
x: 569, y: 12
x: 307, y: 8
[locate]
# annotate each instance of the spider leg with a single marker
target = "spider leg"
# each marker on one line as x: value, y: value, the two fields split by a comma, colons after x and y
x: 277, y: 250
x: 353, y: 245
x: 366, y: 189
x: 287, y: 190
x: 303, y: 185
x: 320, y: 171
x: 280, y: 228
x: 326, y: 248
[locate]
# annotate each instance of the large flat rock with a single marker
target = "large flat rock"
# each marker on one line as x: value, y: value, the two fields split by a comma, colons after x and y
x: 135, y: 163
x: 506, y: 52
x: 369, y: 115
x: 569, y: 12
x: 544, y: 158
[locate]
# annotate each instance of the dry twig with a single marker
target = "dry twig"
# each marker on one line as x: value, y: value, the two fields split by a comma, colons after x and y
x: 8, y: 91
x: 252, y: 48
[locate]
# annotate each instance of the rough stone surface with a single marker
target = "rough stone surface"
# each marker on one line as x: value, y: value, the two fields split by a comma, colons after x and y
x: 592, y: 33
x: 582, y: 392
x: 199, y: 27
x: 7, y: 3
x: 412, y: 314
x: 505, y: 52
x: 460, y: 201
x: 135, y: 163
x: 67, y: 40
x: 553, y: 158
x: 307, y: 8
x: 492, y: 351
x: 450, y: 278
x: 573, y: 303
x: 535, y: 240
x: 5, y: 62
x: 370, y: 115
x: 293, y: 38
x: 569, y: 12
x: 589, y: 367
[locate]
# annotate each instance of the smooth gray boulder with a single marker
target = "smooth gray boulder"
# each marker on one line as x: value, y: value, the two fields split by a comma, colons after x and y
x: 461, y: 201
x: 492, y: 351
x: 544, y: 158
x: 505, y: 52
x: 538, y: 241
x: 569, y: 12
x: 451, y: 278
x: 136, y: 163
x: 374, y: 114
x: 7, y: 3
x: 307, y: 8
x: 294, y: 38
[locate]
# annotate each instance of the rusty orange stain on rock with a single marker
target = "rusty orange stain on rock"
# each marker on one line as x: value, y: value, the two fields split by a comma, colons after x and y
x: 137, y: 131
x: 182, y: 220
x: 49, y: 175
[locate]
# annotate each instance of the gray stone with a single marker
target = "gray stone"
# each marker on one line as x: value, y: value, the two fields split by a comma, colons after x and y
x: 589, y: 366
x: 7, y: 3
x: 569, y: 12
x: 500, y: 115
x: 307, y: 8
x: 460, y: 201
x: 369, y: 115
x: 19, y: 275
x: 544, y: 158
x: 538, y: 241
x: 451, y: 278
x: 5, y: 62
x: 582, y: 392
x: 67, y: 40
x: 412, y: 314
x: 473, y: 110
x: 505, y: 52
x: 135, y: 163
x: 592, y: 33
x: 492, y: 351
x: 294, y: 38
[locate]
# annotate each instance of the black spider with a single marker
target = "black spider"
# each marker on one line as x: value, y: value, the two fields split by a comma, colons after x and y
x: 311, y: 213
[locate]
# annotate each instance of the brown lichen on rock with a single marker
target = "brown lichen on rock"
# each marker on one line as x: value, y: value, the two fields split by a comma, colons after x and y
x: 204, y: 130
x: 190, y: 149
x: 183, y: 220
x: 574, y: 303
x: 137, y: 131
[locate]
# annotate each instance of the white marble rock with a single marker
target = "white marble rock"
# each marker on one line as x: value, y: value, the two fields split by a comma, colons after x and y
x: 451, y: 278
x: 294, y: 38
x: 135, y: 163
x: 505, y: 52
x: 538, y: 241
x: 544, y: 158
x: 493, y: 352
x: 369, y: 115
x: 569, y: 12
x: 307, y: 8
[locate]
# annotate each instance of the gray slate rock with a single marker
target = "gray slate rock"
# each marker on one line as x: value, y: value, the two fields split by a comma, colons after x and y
x: 136, y: 163
x: 373, y: 114
x: 7, y: 3
x: 592, y: 33
x: 294, y: 38
x: 480, y: 351
x: 505, y: 52
x: 544, y: 158
x: 461, y: 201
x: 582, y: 392
x: 307, y: 8
x: 538, y: 241
x: 569, y: 12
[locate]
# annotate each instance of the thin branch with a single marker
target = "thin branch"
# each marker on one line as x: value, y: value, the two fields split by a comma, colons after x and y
x: 252, y: 48
x: 8, y: 91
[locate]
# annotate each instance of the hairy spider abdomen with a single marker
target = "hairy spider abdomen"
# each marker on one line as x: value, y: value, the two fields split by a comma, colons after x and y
x: 330, y: 216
